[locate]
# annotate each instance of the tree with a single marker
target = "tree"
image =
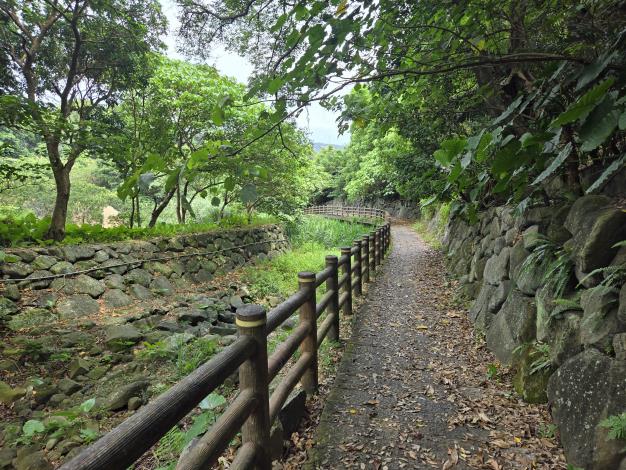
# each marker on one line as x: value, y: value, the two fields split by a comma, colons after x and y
x: 478, y: 77
x: 169, y: 139
x: 67, y: 60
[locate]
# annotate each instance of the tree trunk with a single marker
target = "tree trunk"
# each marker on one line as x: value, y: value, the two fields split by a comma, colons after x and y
x: 61, y: 172
x: 179, y: 216
x: 138, y: 211
x: 161, y: 206
x: 132, y: 212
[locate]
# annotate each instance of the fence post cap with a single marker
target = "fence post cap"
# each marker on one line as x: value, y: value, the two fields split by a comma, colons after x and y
x: 357, y: 242
x: 346, y: 249
x: 306, y: 276
x: 251, y: 313
x: 331, y: 259
x: 366, y: 237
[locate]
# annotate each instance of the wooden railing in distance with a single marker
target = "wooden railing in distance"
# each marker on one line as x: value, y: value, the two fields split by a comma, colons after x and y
x: 254, y: 410
x: 349, y: 212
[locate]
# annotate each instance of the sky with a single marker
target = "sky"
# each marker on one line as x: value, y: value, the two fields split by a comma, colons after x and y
x: 317, y: 121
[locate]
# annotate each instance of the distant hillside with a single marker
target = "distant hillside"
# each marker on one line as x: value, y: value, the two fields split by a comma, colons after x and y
x: 317, y: 146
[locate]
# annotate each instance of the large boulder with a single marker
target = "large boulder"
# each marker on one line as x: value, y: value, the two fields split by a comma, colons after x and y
x: 585, y: 390
x: 596, y: 225
x: 138, y: 276
x: 119, y: 398
x: 77, y: 306
x: 16, y: 270
x: 497, y: 267
x: 82, y: 284
x: 621, y: 312
x: 116, y: 298
x: 533, y: 369
x: 75, y: 253
x: 120, y: 337
x: 499, y: 295
x: 600, y: 320
x: 513, y: 326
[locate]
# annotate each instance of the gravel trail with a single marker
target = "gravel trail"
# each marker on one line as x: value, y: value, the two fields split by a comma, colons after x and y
x: 412, y: 389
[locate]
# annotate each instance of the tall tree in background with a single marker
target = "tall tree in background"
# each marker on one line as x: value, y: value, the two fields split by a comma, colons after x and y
x: 438, y: 71
x: 65, y: 61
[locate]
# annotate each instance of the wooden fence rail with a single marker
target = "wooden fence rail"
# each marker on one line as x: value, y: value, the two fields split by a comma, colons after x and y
x: 253, y: 410
x: 349, y: 212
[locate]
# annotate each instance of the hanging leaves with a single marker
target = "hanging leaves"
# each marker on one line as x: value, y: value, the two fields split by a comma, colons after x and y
x: 584, y: 105
x: 556, y: 163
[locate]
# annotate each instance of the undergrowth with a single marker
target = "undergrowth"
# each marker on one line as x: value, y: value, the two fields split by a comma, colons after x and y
x: 312, y: 238
x: 24, y: 229
x: 432, y: 223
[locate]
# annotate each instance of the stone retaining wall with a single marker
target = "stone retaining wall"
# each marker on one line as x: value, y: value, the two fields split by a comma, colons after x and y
x: 118, y: 286
x: 560, y: 328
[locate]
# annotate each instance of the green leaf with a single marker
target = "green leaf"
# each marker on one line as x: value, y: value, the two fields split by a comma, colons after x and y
x: 218, y: 116
x: 606, y: 174
x: 212, y: 401
x: 622, y: 121
x: 32, y: 427
x: 215, y: 201
x: 509, y: 111
x: 599, y: 125
x: 584, y: 105
x: 229, y: 184
x: 592, y: 71
x: 442, y: 157
x: 274, y: 85
x: 506, y: 158
x: 87, y: 405
x: 557, y: 162
x: 249, y: 193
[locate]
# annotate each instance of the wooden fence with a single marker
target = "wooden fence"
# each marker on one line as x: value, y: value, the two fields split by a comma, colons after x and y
x: 349, y: 212
x: 253, y: 410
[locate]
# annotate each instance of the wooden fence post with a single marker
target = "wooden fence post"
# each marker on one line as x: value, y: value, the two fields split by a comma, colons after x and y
x: 306, y: 281
x: 372, y: 252
x: 358, y: 268
x: 365, y: 259
x: 347, y: 287
x: 333, y: 306
x: 384, y: 243
x: 251, y: 321
x: 379, y: 245
x: 388, y: 239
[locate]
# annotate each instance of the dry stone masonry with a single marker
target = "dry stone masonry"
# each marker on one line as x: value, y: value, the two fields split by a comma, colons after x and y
x: 76, y: 338
x: 107, y: 282
x: 549, y: 295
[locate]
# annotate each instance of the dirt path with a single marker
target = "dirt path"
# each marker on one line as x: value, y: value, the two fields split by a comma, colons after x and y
x: 412, y: 389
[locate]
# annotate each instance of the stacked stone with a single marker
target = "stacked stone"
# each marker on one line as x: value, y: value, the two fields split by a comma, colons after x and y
x: 584, y: 327
x: 118, y: 285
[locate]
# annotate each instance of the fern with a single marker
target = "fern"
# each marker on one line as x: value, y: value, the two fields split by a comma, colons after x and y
x: 616, y: 425
x: 557, y: 263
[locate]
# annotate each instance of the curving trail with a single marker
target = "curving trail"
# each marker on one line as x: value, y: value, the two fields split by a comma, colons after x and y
x: 412, y: 390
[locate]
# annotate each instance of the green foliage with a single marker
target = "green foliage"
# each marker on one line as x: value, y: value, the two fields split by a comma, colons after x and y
x: 155, y: 352
x: 25, y: 229
x: 176, y: 439
x: 493, y: 371
x: 555, y: 262
x: 616, y: 424
x: 547, y: 431
x: 70, y: 423
x: 312, y: 238
x: 327, y: 232
x: 192, y: 355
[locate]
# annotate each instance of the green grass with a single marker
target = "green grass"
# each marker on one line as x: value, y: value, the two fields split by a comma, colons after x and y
x: 330, y: 233
x: 23, y: 229
x: 312, y: 238
x: 279, y: 276
x: 432, y: 224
